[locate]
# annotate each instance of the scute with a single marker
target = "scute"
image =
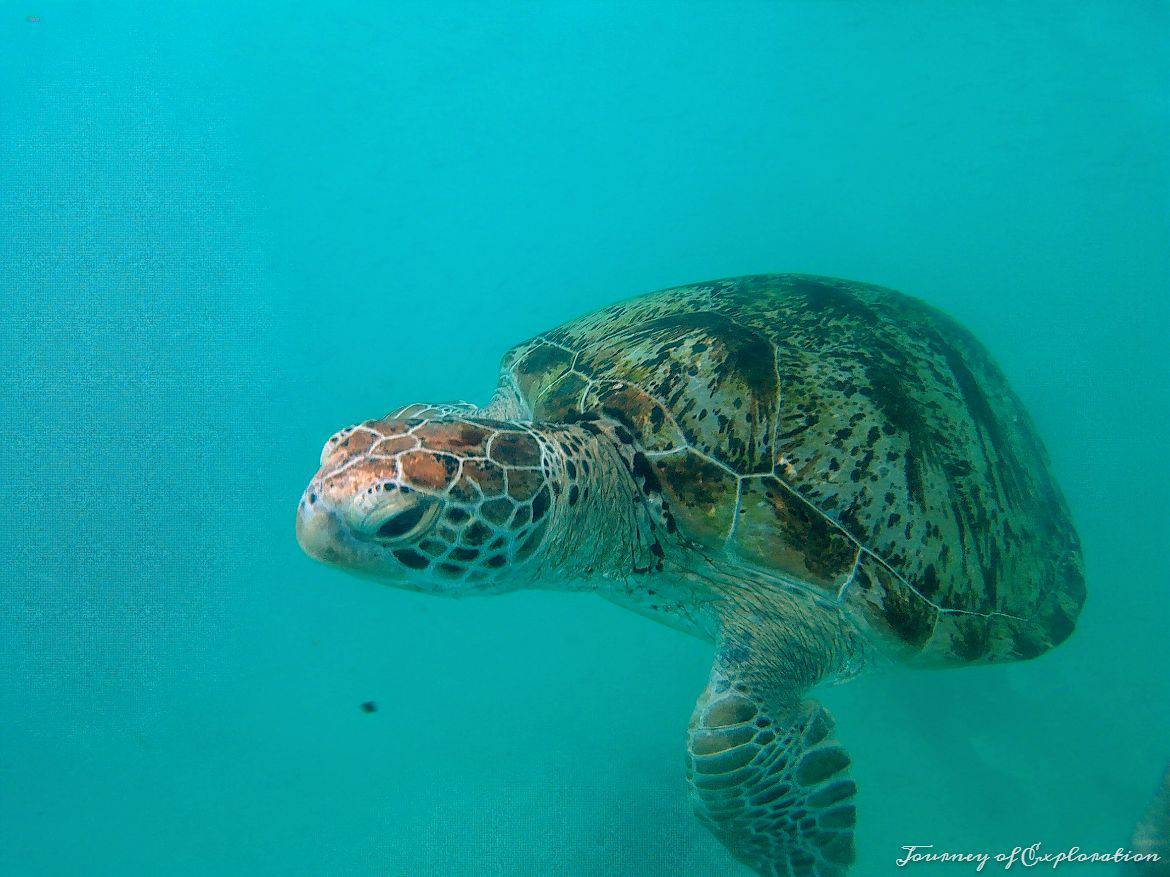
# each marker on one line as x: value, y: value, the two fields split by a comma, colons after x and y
x: 563, y: 399
x: 899, y: 612
x: 700, y: 495
x: 648, y: 418
x: 539, y: 367
x: 717, y: 379
x: 777, y: 530
x: 887, y: 424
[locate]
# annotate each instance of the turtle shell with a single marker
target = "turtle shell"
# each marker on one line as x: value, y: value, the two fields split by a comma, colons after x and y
x: 838, y: 435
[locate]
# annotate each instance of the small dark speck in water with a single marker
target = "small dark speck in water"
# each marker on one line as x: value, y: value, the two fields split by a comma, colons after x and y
x: 369, y: 707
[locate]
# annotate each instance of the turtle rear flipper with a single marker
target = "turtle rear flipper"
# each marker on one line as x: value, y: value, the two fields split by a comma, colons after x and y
x: 768, y: 778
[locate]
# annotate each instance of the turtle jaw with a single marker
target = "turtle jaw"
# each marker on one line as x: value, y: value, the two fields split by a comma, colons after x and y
x: 317, y: 528
x: 361, y: 539
x: 324, y: 535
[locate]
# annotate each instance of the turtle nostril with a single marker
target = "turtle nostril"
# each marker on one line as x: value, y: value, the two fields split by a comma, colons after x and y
x: 408, y: 521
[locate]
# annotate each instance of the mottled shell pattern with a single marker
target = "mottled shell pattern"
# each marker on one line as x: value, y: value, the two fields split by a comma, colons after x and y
x: 836, y: 434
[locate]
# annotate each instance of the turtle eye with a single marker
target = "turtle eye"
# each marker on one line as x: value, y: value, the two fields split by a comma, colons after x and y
x: 406, y: 521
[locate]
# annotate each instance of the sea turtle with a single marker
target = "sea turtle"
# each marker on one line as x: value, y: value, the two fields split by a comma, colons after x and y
x: 814, y: 474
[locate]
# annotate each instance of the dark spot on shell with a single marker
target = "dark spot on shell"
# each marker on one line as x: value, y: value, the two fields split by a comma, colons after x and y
x: 930, y: 583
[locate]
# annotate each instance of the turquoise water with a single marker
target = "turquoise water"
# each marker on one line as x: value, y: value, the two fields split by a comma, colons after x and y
x: 225, y: 233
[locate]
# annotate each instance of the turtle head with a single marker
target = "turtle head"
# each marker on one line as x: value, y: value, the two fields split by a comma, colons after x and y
x: 441, y: 501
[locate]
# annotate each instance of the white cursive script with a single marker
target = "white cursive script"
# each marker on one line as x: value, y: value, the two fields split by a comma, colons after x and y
x: 1025, y: 857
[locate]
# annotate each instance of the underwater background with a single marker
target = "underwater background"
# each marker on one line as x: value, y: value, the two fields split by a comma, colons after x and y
x: 227, y: 230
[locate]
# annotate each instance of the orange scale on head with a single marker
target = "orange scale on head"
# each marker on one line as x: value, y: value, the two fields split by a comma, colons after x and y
x: 488, y: 476
x: 388, y: 447
x: 515, y: 449
x: 388, y: 427
x: 455, y: 437
x: 428, y: 471
x: 348, y: 445
x: 361, y: 477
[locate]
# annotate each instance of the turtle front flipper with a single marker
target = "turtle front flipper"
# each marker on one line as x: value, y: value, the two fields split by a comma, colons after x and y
x: 766, y: 775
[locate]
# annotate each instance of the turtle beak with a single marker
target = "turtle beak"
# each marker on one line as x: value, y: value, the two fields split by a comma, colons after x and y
x: 318, y: 527
x: 353, y: 535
